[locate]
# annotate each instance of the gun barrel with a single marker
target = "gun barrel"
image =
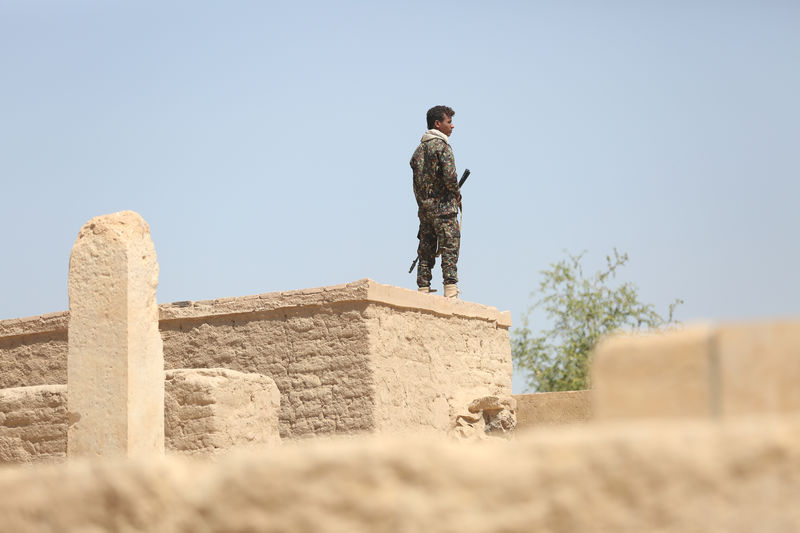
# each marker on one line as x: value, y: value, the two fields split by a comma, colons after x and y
x: 464, y: 177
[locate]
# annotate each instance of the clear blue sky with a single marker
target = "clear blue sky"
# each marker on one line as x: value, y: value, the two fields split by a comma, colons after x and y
x: 267, y: 144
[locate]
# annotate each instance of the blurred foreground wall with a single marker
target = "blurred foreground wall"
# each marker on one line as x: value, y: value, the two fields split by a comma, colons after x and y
x: 698, y: 476
x: 693, y: 430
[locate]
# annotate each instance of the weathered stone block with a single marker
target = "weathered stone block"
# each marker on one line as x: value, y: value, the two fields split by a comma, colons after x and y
x: 115, y: 358
x: 486, y: 416
x: 215, y: 410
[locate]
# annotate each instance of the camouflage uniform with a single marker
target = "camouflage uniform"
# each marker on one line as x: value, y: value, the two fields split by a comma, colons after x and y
x: 438, y: 200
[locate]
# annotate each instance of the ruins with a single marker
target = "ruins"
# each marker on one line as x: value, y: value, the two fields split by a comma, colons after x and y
x: 360, y: 357
x: 366, y: 407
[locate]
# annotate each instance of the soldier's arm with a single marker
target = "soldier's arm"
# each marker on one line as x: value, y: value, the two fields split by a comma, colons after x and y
x: 416, y: 171
x: 449, y: 173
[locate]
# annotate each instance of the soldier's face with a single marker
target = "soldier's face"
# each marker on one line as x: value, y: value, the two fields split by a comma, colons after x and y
x: 445, y: 126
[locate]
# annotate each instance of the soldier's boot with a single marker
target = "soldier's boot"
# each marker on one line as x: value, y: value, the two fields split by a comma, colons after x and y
x: 426, y: 290
x: 451, y: 290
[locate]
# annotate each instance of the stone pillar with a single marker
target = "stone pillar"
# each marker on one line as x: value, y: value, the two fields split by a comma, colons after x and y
x: 115, y: 360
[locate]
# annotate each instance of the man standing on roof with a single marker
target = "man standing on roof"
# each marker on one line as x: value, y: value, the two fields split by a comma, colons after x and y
x: 438, y: 200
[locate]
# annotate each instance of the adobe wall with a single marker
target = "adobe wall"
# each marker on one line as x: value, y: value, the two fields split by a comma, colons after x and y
x: 33, y: 424
x: 666, y: 465
x: 33, y: 351
x: 553, y: 408
x: 701, y: 371
x: 736, y: 477
x: 348, y: 358
x: 317, y: 356
x: 428, y: 369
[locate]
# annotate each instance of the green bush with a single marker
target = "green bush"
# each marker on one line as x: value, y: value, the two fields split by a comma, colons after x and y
x: 581, y: 310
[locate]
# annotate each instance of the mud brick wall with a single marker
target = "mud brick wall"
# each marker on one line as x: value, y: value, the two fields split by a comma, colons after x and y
x: 351, y: 358
x: 317, y: 357
x: 33, y: 424
x: 427, y: 368
x: 544, y: 409
x: 33, y: 351
x: 701, y: 371
x: 680, y: 477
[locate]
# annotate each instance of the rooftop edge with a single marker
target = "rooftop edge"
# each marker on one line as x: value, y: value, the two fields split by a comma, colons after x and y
x: 363, y: 290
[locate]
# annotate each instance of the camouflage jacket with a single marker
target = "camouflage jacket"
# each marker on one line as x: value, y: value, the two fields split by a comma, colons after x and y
x: 435, y: 176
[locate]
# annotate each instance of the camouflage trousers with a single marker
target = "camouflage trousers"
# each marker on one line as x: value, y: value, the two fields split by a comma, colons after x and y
x: 444, y: 231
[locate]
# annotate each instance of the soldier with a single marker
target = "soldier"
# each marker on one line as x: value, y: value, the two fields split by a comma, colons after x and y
x: 438, y: 200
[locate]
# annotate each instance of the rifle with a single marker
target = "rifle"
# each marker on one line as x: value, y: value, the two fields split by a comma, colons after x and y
x: 464, y: 177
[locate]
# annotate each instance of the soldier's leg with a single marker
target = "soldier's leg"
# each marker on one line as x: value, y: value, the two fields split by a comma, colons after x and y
x: 426, y: 251
x: 449, y: 245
